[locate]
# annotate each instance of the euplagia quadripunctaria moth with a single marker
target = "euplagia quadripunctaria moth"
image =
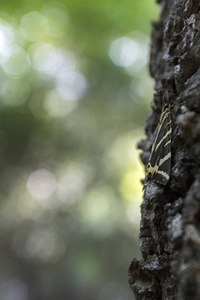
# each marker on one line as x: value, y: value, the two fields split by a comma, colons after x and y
x: 159, y: 165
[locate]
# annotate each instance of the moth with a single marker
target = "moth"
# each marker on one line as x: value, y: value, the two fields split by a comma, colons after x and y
x: 159, y: 165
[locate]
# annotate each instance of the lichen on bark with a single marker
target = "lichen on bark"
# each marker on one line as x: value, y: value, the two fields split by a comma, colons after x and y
x: 170, y: 222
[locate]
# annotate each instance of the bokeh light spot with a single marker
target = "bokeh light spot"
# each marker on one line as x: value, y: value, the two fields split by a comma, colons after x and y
x: 58, y: 18
x: 41, y: 184
x: 16, y: 62
x: 47, y: 245
x: 133, y: 211
x: 50, y: 60
x: 34, y: 26
x: 72, y: 86
x: 124, y: 51
x: 13, y: 93
x: 6, y: 39
x: 130, y: 52
x: 14, y: 290
x: 56, y: 106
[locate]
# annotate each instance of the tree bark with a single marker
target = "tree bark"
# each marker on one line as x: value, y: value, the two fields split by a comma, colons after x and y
x: 170, y: 224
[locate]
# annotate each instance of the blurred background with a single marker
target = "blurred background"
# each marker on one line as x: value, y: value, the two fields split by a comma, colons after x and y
x: 74, y: 95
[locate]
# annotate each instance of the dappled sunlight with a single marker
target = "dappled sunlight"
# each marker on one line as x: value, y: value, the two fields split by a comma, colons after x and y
x: 34, y: 26
x: 123, y: 152
x: 45, y: 245
x: 41, y: 184
x: 57, y: 18
x: 45, y: 192
x: 130, y: 185
x: 133, y: 211
x: 32, y: 209
x: 97, y: 205
x: 53, y: 61
x: 16, y: 63
x: 124, y: 160
x: 13, y: 93
x: 124, y: 52
x: 6, y: 39
x: 50, y: 60
x: 124, y: 157
x: 138, y: 93
x: 72, y: 182
x: 130, y: 52
x: 71, y: 86
x: 57, y: 106
x: 14, y: 59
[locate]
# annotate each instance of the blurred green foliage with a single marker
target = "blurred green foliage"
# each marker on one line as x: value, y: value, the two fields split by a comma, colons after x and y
x: 75, y: 92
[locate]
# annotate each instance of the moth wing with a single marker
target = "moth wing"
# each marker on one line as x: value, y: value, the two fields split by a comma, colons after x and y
x: 160, y: 158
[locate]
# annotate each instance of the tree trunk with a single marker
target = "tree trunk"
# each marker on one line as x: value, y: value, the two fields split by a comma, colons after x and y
x: 170, y: 225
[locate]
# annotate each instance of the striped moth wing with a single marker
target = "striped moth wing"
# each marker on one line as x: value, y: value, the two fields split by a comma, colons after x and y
x: 159, y: 165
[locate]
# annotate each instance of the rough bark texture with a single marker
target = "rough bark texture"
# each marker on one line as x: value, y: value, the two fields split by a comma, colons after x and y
x: 170, y: 225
